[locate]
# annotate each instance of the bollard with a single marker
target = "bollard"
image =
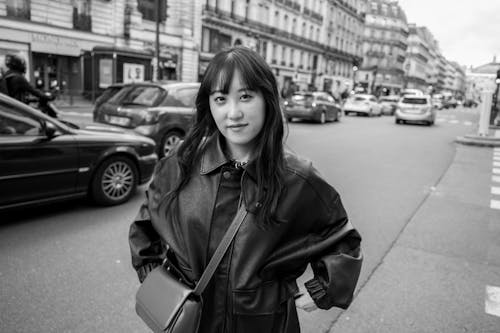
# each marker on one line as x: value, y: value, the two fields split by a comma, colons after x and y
x: 484, y: 117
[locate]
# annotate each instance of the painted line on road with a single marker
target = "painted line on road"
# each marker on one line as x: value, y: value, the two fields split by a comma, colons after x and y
x: 495, y: 190
x: 495, y: 204
x: 492, y: 301
x: 440, y: 120
x: 496, y: 171
x: 496, y: 164
x: 454, y: 121
x: 496, y: 157
x: 495, y: 179
x: 467, y: 123
x: 497, y: 134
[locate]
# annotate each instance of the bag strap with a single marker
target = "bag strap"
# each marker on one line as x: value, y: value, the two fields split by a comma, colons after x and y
x: 221, y: 250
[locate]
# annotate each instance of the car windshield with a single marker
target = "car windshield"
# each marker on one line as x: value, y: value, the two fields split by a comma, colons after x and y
x: 420, y: 101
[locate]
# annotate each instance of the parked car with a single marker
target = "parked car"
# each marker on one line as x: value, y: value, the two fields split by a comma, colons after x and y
x: 416, y: 109
x: 364, y: 104
x: 317, y: 106
x: 450, y: 103
x: 470, y: 103
x: 163, y: 112
x: 43, y: 159
x: 389, y: 104
x: 108, y: 92
x: 437, y: 103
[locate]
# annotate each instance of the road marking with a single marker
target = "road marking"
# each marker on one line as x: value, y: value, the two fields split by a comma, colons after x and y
x: 496, y: 158
x: 467, y: 123
x: 495, y: 190
x: 496, y: 171
x: 497, y: 134
x: 454, y: 121
x: 495, y: 179
x: 495, y: 204
x: 440, y: 120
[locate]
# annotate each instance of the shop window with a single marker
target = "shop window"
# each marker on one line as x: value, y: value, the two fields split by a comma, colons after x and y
x: 149, y: 9
x: 82, y: 19
x: 19, y: 9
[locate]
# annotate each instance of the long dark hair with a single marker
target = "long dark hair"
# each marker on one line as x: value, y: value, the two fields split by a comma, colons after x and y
x: 269, y: 156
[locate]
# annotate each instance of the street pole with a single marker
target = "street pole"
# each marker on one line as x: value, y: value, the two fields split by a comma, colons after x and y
x: 157, y: 44
x: 484, y: 117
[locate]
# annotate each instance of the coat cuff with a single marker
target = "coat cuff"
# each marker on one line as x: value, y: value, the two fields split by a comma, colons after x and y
x: 317, y: 292
x: 144, y: 270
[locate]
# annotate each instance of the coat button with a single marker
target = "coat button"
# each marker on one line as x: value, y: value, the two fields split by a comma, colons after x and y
x: 226, y: 174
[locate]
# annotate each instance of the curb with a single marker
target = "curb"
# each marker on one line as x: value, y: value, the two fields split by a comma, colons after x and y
x: 480, y: 141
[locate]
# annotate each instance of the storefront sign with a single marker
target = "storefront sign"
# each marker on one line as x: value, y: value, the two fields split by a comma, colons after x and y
x: 53, y: 44
x: 105, y: 72
x: 133, y: 73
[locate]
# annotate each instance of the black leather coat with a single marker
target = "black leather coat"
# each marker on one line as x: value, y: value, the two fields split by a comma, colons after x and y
x: 258, y: 273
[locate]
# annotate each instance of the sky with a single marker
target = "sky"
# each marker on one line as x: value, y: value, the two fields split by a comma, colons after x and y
x: 468, y: 32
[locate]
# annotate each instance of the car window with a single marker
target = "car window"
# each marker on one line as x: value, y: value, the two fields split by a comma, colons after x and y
x: 359, y: 98
x: 146, y: 96
x: 17, y: 123
x: 372, y: 99
x: 419, y: 101
x: 183, y: 97
x: 120, y: 95
x: 302, y: 98
x: 107, y: 94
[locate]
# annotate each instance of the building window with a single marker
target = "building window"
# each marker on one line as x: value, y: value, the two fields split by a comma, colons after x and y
x: 82, y: 19
x: 149, y: 10
x: 214, y: 41
x: 264, y: 50
x: 19, y: 9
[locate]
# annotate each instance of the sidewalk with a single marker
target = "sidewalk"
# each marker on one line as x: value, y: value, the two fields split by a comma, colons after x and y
x: 443, y: 273
x: 78, y: 105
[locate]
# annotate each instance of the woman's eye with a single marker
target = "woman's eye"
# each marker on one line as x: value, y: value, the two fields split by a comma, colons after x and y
x: 219, y: 99
x: 246, y: 97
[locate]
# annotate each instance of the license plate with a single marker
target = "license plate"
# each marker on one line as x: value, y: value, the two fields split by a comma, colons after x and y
x: 118, y: 120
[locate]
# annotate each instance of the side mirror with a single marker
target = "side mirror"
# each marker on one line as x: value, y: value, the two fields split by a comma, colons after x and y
x: 50, y: 130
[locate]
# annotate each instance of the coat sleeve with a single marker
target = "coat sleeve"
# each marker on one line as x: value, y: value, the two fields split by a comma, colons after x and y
x: 146, y: 247
x: 336, y: 264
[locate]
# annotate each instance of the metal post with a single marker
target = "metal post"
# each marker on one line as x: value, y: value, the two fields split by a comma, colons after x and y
x: 484, y: 117
x: 157, y: 46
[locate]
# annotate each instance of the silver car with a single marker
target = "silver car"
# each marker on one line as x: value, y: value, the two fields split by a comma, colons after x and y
x: 416, y: 109
x: 363, y: 104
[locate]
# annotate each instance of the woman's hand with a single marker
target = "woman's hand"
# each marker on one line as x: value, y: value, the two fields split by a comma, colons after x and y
x: 305, y: 302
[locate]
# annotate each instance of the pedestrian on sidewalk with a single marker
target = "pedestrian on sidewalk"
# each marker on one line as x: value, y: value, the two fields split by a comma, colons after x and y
x: 233, y: 156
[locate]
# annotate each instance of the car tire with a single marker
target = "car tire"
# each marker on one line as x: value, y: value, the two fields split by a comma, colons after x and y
x: 169, y: 142
x: 114, y: 181
x: 289, y: 119
x: 322, y: 118
x: 398, y: 121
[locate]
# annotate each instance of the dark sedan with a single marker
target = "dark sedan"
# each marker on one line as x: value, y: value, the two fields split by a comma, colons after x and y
x: 44, y: 160
x: 163, y: 112
x: 316, y: 106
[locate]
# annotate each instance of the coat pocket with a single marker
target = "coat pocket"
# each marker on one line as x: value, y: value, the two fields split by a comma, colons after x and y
x: 264, y: 309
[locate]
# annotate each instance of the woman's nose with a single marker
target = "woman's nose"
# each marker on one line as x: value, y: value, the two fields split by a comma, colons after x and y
x: 234, y: 111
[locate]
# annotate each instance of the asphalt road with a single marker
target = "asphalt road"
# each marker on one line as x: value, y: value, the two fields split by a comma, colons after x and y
x: 66, y: 268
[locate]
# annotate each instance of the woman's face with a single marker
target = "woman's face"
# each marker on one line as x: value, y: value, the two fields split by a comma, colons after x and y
x: 239, y: 116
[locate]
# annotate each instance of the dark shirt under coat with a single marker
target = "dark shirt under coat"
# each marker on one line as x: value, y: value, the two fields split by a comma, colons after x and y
x: 253, y: 289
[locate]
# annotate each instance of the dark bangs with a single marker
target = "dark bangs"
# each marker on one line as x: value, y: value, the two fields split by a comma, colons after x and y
x: 221, y: 72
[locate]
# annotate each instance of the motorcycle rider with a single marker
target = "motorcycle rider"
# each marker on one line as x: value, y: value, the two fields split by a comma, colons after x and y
x: 19, y: 88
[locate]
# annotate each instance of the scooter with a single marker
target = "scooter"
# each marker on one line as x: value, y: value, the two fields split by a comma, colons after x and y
x: 45, y: 104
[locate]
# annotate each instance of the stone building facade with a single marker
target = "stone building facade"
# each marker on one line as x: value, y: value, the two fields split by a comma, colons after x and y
x: 310, y: 44
x: 82, y: 46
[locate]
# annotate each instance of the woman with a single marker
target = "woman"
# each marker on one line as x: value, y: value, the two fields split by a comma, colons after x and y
x: 234, y: 156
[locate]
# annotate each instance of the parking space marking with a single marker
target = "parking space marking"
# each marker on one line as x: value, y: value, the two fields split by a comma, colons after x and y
x: 495, y: 204
x: 495, y: 190
x: 492, y: 301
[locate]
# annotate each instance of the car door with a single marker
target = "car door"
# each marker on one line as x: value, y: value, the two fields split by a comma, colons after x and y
x: 33, y: 166
x: 333, y: 106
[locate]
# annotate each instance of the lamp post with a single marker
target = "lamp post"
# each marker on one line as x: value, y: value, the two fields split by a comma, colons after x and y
x: 354, y: 70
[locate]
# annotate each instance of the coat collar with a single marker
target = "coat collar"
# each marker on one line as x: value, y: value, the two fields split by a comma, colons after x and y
x: 213, y: 157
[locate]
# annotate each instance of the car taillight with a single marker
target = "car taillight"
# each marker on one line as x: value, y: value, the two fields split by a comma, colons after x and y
x: 150, y: 116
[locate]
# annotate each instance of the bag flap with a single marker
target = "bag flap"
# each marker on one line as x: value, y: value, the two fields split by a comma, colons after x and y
x: 161, y: 296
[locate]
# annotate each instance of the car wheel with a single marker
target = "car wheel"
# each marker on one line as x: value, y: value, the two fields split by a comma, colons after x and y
x: 289, y: 119
x: 398, y: 121
x: 114, y: 181
x: 322, y: 118
x: 169, y: 142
